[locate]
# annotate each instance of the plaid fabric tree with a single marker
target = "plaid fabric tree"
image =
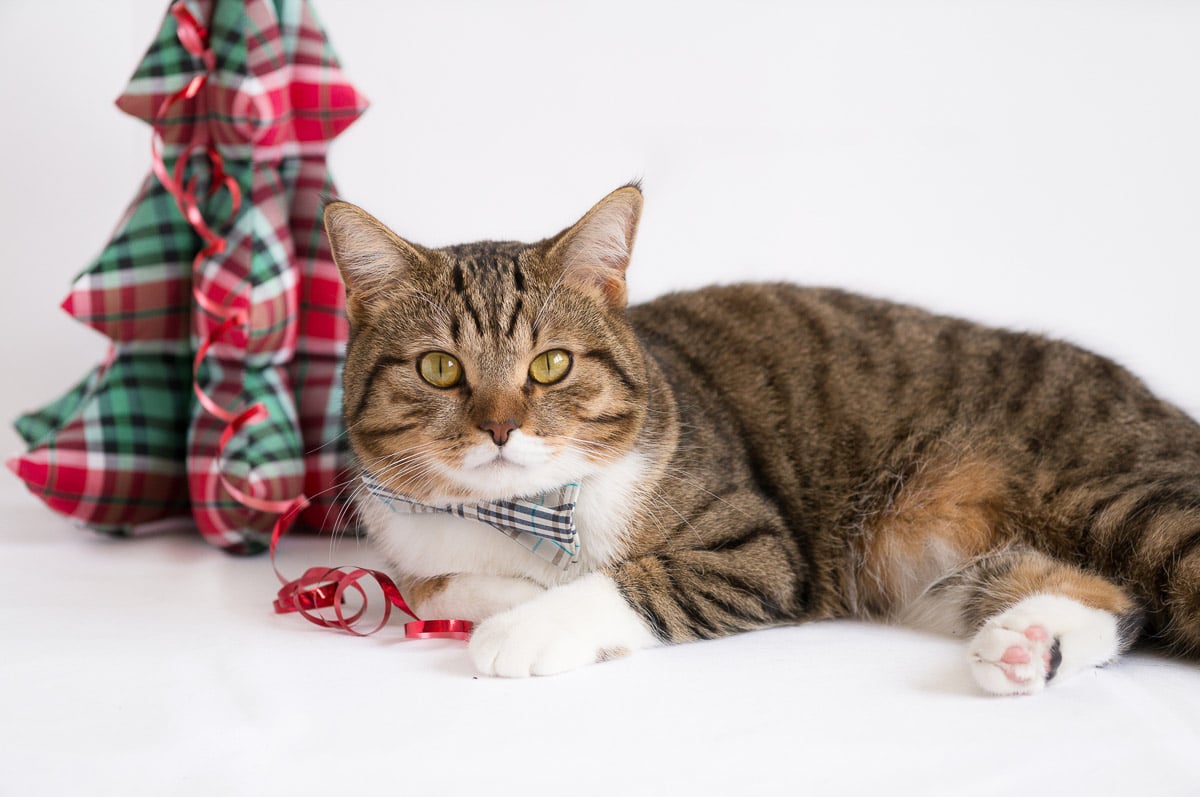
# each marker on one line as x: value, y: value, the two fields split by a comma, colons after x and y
x: 218, y: 291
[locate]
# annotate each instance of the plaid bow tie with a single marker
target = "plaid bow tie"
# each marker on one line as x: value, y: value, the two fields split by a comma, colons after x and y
x: 544, y: 524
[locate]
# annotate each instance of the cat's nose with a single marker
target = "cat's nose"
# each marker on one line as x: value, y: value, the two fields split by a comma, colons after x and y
x: 499, y: 430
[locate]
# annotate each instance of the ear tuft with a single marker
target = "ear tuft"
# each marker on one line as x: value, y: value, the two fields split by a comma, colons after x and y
x: 594, y: 253
x: 369, y: 256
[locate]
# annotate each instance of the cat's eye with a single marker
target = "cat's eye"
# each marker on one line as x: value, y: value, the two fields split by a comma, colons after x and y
x: 440, y: 369
x: 550, y: 366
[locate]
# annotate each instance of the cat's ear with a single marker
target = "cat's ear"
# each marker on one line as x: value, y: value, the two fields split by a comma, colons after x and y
x: 594, y: 253
x: 370, y: 256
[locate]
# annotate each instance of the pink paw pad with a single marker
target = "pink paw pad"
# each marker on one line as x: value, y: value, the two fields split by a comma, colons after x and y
x: 1015, y: 655
x: 1036, y: 633
x: 1022, y: 654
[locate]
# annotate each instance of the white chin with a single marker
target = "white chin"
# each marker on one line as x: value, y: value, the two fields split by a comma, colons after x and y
x: 502, y: 480
x: 525, y: 466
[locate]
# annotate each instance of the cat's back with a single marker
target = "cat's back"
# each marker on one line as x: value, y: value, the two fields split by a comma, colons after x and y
x: 749, y: 314
x: 871, y: 356
x: 822, y: 350
x: 830, y: 384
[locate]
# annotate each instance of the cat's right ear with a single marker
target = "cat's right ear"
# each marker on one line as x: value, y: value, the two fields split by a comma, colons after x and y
x: 370, y: 257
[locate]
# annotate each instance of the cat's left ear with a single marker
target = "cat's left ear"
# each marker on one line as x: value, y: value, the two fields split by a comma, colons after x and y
x: 594, y: 253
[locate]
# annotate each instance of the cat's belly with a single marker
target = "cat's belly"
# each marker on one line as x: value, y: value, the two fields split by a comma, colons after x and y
x: 425, y: 546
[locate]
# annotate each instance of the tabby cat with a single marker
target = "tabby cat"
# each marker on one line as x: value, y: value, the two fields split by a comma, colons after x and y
x: 748, y: 456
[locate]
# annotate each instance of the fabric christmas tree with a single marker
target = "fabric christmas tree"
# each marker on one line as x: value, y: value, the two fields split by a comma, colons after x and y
x: 220, y: 399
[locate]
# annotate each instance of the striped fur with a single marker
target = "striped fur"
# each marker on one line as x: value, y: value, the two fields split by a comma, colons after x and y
x: 884, y: 449
x: 811, y: 453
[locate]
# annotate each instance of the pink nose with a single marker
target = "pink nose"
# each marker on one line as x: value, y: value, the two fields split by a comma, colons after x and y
x: 499, y: 430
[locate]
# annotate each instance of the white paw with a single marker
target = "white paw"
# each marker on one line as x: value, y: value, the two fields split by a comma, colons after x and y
x: 1042, y: 637
x: 579, y: 623
x: 474, y: 597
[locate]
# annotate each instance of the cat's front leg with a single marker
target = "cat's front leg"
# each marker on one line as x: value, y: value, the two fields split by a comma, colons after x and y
x: 679, y: 596
x: 585, y: 621
x: 468, y: 596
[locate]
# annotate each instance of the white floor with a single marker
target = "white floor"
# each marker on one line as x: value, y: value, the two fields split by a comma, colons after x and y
x: 156, y: 666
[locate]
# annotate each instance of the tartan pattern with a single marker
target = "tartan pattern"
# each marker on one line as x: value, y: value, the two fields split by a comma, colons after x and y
x: 36, y: 426
x: 322, y: 329
x: 545, y: 524
x: 130, y: 444
x: 138, y: 288
x: 116, y: 458
x: 264, y: 459
x: 277, y: 82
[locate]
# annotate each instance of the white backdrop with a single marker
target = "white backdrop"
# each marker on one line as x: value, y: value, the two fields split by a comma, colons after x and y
x: 1026, y: 163
x: 1029, y: 164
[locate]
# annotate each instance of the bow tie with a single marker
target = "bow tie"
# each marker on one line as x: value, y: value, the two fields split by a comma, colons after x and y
x: 545, y: 523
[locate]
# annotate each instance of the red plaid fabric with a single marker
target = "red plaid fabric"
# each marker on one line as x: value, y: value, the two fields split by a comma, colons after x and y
x: 248, y: 95
x: 316, y: 370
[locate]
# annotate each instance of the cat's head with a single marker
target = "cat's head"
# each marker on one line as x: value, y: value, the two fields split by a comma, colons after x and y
x: 490, y: 370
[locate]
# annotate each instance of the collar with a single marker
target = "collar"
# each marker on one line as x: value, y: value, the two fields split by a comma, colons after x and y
x: 543, y: 523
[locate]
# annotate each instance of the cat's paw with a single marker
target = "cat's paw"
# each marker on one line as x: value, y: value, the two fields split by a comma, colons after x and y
x: 475, y: 597
x: 579, y: 623
x: 1020, y: 650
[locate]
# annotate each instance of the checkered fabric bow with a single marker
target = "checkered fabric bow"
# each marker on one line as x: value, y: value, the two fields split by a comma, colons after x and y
x: 545, y: 524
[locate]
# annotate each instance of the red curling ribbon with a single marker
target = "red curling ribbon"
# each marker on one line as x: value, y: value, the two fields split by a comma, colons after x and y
x: 319, y: 588
x: 192, y: 35
x: 235, y: 319
x: 439, y: 629
x: 194, y: 38
x: 326, y: 587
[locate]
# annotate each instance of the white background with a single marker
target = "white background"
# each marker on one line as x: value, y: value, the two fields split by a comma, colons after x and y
x: 1029, y: 164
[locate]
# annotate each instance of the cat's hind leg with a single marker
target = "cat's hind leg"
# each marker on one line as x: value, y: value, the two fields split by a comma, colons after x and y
x: 1033, y: 620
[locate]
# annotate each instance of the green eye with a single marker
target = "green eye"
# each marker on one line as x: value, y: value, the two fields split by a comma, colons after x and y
x: 440, y: 369
x: 550, y: 366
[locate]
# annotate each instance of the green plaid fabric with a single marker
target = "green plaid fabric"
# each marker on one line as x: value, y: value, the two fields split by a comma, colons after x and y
x: 131, y: 445
x: 138, y: 288
x: 37, y: 426
x: 131, y: 415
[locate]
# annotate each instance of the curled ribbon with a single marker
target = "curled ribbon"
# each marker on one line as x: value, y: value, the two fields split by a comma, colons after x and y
x: 194, y: 38
x: 319, y: 588
x: 327, y: 587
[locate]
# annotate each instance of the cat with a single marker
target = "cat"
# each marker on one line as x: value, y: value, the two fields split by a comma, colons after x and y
x: 751, y: 455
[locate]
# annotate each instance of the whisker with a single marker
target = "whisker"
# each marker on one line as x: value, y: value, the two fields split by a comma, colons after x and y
x: 546, y: 301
